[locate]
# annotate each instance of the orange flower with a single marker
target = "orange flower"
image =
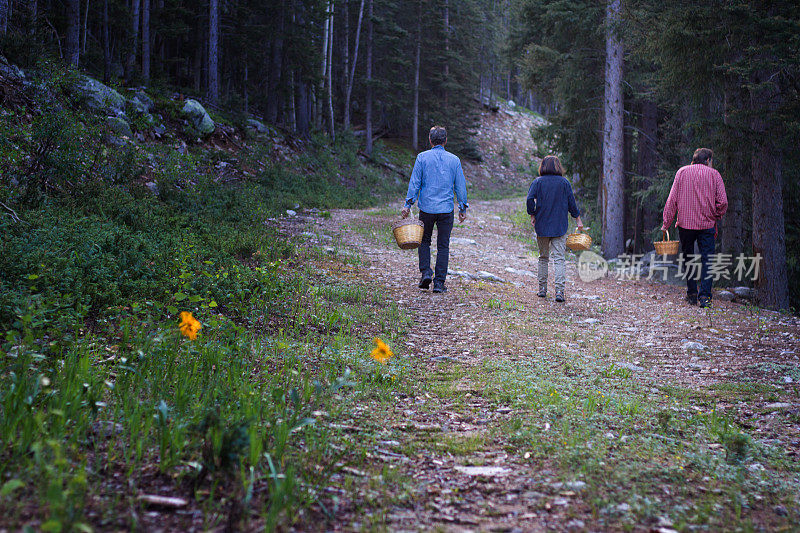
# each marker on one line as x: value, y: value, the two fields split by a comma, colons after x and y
x: 189, y: 325
x: 382, y: 352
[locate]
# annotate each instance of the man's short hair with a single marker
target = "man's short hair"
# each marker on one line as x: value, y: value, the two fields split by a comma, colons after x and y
x: 551, y: 166
x: 702, y: 155
x: 438, y: 135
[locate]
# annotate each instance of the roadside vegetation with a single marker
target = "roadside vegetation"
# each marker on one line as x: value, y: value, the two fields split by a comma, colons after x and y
x: 107, y: 396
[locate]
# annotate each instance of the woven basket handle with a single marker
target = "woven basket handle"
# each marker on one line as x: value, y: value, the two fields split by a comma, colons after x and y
x: 663, y: 233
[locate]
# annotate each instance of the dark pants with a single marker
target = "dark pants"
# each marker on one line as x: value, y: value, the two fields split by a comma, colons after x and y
x: 705, y: 243
x: 444, y: 225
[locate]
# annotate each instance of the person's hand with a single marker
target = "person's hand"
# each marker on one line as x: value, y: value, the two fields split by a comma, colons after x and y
x: 533, y: 220
x: 462, y: 216
x: 580, y: 225
x: 405, y: 212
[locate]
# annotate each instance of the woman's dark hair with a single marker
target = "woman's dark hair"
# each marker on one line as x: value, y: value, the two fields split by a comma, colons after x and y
x: 550, y: 166
x: 438, y: 135
x: 702, y: 155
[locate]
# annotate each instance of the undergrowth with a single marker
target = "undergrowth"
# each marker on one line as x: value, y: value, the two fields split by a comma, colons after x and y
x: 102, y: 400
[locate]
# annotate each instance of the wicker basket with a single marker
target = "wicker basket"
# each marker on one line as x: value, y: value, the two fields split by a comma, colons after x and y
x: 578, y: 242
x: 666, y: 246
x: 408, y: 233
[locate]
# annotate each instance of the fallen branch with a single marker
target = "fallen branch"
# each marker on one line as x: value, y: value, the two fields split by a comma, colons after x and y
x: 11, y: 213
x: 382, y: 164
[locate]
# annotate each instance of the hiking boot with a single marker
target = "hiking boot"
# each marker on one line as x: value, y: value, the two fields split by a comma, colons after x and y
x: 560, y: 297
x: 542, y: 292
x: 705, y: 302
x: 691, y: 299
x: 425, y: 282
x: 439, y: 287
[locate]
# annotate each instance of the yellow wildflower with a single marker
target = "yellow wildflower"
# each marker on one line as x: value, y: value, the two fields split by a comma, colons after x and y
x: 189, y: 325
x: 382, y: 352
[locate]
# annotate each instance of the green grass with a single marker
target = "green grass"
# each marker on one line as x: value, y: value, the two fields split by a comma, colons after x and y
x: 101, y: 397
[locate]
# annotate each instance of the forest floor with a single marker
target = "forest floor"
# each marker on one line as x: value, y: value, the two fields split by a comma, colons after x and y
x: 522, y: 414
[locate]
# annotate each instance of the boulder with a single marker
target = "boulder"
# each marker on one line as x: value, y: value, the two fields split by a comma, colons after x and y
x: 725, y: 296
x: 141, y: 102
x: 257, y: 125
x: 744, y: 292
x: 100, y: 97
x: 198, y: 118
x: 9, y: 71
x: 119, y: 127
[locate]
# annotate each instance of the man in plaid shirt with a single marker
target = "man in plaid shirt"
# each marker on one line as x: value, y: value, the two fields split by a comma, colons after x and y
x: 699, y: 200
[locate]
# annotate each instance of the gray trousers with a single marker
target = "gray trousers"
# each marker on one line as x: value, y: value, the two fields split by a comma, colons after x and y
x: 555, y: 246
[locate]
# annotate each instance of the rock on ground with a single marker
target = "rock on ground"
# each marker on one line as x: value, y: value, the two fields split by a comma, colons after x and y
x: 100, y: 97
x: 198, y: 117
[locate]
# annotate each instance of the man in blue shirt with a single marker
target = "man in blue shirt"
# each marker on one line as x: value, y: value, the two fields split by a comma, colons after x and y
x: 549, y: 200
x: 437, y: 174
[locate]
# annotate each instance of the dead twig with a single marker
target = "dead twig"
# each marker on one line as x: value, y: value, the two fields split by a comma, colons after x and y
x: 13, y: 214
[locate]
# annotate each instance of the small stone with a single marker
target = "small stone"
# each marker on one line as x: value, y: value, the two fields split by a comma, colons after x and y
x: 630, y: 366
x: 780, y: 510
x: 483, y: 470
x: 623, y: 508
x: 756, y: 467
x: 787, y: 379
x: 576, y: 524
x: 591, y: 321
x: 291, y: 212
x: 561, y: 502
x: 778, y: 405
x: 691, y: 345
x: 488, y: 276
x: 460, y: 241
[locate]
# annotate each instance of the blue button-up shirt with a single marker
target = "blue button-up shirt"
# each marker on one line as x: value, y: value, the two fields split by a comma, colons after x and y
x: 550, y: 198
x: 437, y: 173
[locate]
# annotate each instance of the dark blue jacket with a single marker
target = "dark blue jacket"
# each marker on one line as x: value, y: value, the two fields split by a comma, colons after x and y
x: 550, y: 198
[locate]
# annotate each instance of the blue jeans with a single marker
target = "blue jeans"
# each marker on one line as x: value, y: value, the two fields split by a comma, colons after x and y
x: 444, y: 225
x: 705, y: 243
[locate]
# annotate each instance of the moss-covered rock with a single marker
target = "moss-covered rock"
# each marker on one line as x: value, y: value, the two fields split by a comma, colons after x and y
x: 100, y: 97
x: 119, y: 127
x: 199, y: 119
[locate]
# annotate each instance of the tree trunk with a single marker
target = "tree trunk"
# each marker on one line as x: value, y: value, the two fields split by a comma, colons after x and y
x: 302, y: 107
x: 4, y: 14
x: 648, y: 167
x: 33, y: 15
x: 73, y: 44
x: 134, y: 45
x: 368, y: 147
x: 106, y: 45
x: 737, y: 163
x: 275, y: 74
x: 325, y: 30
x: 446, y: 49
x: 417, y: 60
x: 146, y: 40
x: 85, y: 26
x: 613, y: 139
x: 769, y: 232
x: 213, y: 50
x: 351, y: 76
x: 329, y: 61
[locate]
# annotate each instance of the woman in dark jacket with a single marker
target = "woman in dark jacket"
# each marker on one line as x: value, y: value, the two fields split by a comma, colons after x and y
x: 550, y: 198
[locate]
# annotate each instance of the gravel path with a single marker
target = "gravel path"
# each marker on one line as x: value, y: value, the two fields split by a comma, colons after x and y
x: 641, y: 326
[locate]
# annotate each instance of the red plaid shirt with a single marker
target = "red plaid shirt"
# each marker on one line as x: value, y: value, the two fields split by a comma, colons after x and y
x: 697, y: 196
